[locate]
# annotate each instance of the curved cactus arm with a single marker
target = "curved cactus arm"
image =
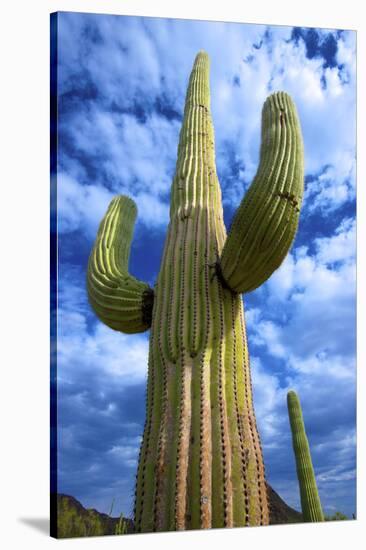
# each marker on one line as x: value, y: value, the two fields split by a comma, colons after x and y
x: 266, y: 221
x: 119, y: 300
x: 310, y: 501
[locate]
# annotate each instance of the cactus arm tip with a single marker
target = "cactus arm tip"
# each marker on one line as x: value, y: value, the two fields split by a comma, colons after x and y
x: 120, y: 300
x: 265, y: 224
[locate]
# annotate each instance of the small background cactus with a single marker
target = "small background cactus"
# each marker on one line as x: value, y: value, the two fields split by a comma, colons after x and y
x: 310, y: 501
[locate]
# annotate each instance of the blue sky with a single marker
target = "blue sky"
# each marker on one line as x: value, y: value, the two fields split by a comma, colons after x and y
x: 122, y: 83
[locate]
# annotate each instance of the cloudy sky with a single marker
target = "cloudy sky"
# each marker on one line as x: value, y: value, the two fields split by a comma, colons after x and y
x: 121, y: 84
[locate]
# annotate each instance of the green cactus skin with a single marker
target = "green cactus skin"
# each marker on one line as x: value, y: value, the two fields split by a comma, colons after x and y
x: 120, y: 301
x: 200, y: 462
x: 266, y: 221
x: 310, y: 501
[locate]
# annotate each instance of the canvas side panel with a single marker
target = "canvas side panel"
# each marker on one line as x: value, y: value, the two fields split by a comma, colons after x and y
x: 53, y: 273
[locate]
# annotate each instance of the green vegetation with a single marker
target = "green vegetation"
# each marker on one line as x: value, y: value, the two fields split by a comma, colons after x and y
x: 337, y: 516
x: 310, y: 501
x: 73, y: 520
x: 121, y: 527
x: 200, y: 462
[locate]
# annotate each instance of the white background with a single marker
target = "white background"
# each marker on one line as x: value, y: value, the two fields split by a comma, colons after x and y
x: 24, y: 269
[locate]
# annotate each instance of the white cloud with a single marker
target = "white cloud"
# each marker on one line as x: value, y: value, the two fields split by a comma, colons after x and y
x: 341, y: 247
x: 319, y: 333
x: 335, y: 475
x: 346, y: 52
x: 252, y: 315
x: 269, y: 334
x: 127, y: 453
x: 91, y: 348
x: 334, y: 186
x: 139, y: 65
x: 267, y: 396
x: 80, y: 207
x: 100, y: 350
x: 281, y: 282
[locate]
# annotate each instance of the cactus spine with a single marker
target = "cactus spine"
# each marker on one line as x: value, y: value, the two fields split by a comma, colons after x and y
x: 310, y: 501
x: 200, y: 462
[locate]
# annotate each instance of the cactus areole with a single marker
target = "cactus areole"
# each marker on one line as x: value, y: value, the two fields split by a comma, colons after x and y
x: 200, y: 462
x: 310, y: 502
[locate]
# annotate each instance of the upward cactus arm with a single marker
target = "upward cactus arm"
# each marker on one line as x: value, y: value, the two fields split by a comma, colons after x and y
x: 119, y: 300
x: 266, y: 221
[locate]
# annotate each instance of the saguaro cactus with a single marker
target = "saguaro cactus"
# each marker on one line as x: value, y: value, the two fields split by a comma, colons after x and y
x: 310, y: 501
x: 200, y: 462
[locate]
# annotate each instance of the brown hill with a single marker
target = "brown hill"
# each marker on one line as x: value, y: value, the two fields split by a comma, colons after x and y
x: 279, y: 511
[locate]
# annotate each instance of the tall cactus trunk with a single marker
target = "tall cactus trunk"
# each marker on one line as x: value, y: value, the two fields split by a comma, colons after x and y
x: 200, y: 462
